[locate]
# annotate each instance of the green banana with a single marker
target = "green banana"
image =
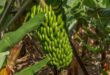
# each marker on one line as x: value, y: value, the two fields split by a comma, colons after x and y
x: 54, y: 38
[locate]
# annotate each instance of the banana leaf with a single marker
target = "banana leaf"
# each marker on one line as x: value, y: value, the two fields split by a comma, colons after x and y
x: 34, y: 68
x: 11, y: 38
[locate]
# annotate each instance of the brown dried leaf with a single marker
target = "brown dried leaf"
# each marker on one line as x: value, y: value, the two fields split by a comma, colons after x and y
x: 4, y: 72
x: 14, y: 53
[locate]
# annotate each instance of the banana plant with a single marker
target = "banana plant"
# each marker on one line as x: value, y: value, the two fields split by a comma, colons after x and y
x: 33, y: 23
x: 12, y: 38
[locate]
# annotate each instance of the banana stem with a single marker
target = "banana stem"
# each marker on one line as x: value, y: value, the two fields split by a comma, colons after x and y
x: 42, y: 3
x: 78, y: 58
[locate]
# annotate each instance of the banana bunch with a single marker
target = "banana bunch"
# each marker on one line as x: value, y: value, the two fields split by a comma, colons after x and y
x: 56, y: 6
x: 54, y: 38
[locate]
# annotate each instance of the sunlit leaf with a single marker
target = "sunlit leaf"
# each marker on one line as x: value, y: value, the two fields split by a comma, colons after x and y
x: 104, y: 3
x: 73, y: 3
x: 2, y: 57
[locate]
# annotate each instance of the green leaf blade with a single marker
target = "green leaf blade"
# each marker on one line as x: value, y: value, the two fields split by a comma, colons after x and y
x: 34, y: 68
x: 12, y: 37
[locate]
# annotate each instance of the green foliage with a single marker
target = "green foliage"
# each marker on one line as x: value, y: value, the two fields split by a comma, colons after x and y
x: 104, y: 72
x: 91, y: 3
x: 31, y: 70
x: 74, y: 9
x: 33, y: 23
x: 93, y: 13
x: 2, y: 5
x: 97, y: 3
